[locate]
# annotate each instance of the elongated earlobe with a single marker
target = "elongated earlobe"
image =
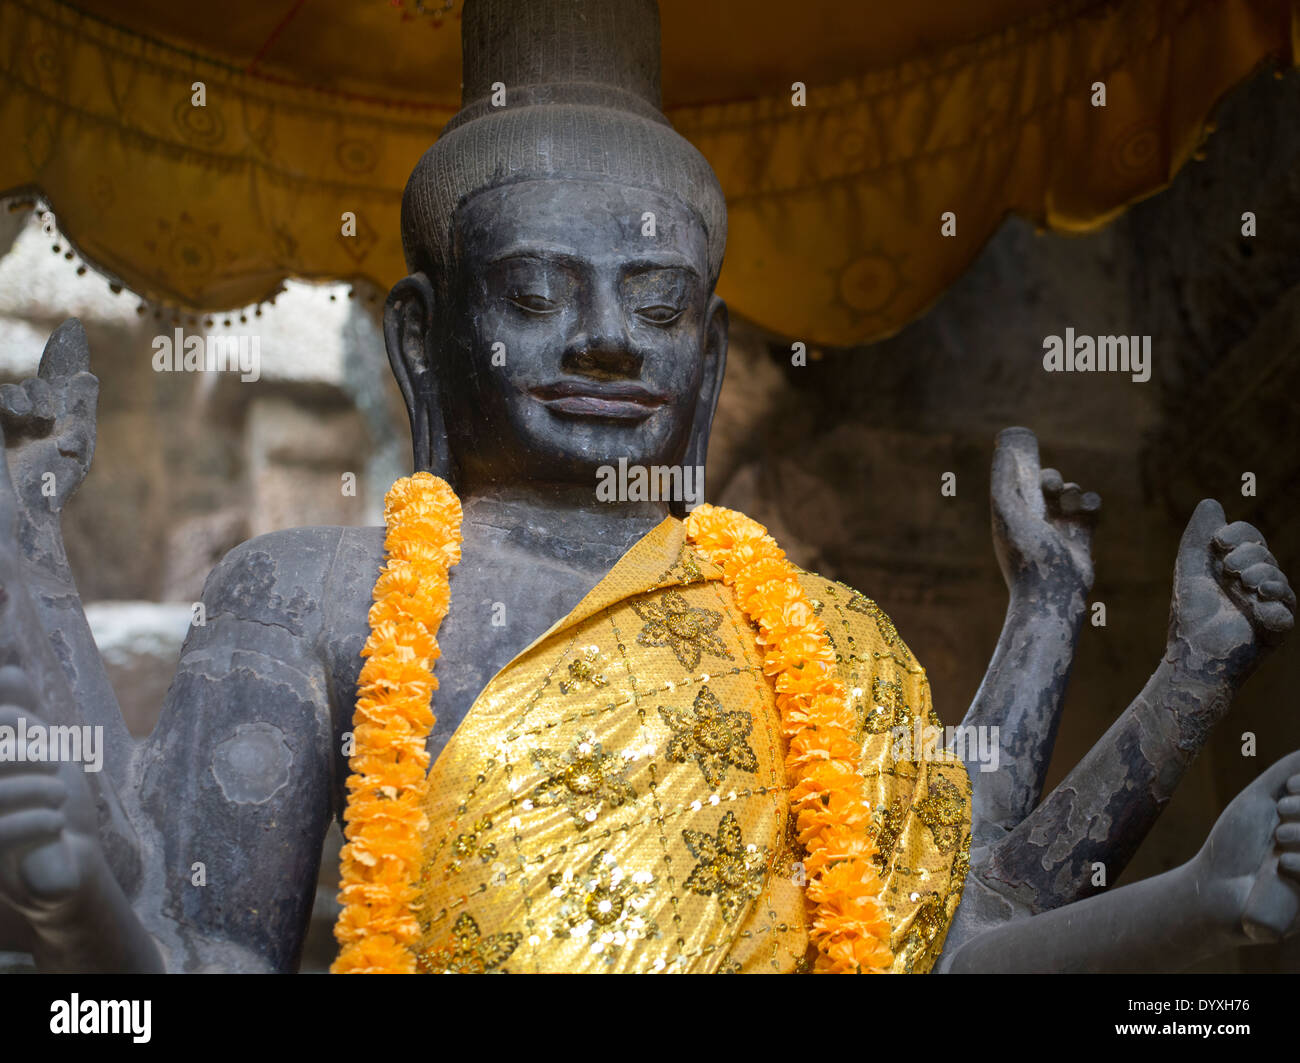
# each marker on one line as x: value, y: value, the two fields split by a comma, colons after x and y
x: 410, y: 336
x: 715, y: 365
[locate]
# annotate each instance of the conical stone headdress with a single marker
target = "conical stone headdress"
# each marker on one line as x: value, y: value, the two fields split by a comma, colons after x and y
x: 581, y: 80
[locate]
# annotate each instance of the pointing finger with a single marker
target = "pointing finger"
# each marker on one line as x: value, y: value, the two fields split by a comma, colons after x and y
x: 66, y: 352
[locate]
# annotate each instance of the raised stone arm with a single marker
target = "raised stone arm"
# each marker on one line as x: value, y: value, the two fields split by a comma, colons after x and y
x: 49, y: 431
x: 1042, y: 533
x: 1231, y: 603
x: 59, y: 898
x: 198, y: 848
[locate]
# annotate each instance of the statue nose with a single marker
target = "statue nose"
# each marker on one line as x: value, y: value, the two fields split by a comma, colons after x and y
x: 602, y: 346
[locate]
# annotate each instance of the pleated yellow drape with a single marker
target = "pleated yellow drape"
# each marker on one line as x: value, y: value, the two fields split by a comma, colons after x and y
x: 835, y: 207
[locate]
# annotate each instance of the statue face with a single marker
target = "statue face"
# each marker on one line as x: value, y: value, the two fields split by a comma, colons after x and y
x: 580, y: 331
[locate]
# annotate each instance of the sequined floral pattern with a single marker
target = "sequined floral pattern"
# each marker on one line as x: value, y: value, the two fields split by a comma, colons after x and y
x: 687, y: 630
x: 467, y: 951
x: 944, y: 811
x: 728, y: 869
x: 583, y: 779
x: 584, y: 670
x: 711, y: 736
x: 604, y: 905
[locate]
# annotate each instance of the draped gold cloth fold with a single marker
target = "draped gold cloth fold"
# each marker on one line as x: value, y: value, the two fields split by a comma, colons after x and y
x: 615, y: 800
x: 913, y: 110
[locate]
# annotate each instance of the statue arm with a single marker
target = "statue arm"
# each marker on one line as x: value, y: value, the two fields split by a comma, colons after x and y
x: 49, y: 442
x: 1042, y: 532
x: 1230, y: 603
x: 236, y: 782
x: 59, y: 898
x: 1153, y: 925
x: 1242, y: 887
x: 231, y: 794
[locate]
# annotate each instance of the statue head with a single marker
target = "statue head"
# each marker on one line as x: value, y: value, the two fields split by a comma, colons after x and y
x: 563, y: 243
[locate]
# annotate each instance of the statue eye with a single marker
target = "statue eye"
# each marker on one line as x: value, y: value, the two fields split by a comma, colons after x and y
x: 660, y: 313
x: 533, y: 303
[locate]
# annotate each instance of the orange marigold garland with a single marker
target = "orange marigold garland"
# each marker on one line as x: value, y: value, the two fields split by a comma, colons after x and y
x: 849, y: 927
x: 384, y: 819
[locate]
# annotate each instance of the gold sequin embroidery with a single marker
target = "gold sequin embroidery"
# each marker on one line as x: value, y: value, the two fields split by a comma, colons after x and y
x: 728, y: 869
x: 889, y: 825
x: 604, y: 905
x: 685, y: 629
x: 887, y: 700
x: 584, y: 779
x: 466, y: 951
x: 583, y: 671
x: 943, y: 810
x: 715, y: 738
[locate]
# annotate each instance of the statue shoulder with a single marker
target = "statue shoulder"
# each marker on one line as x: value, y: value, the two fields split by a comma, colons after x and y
x: 871, y: 654
x: 839, y: 605
x: 286, y: 578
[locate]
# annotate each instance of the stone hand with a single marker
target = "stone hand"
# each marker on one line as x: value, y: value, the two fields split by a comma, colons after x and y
x: 1042, y: 526
x: 48, y: 838
x: 1249, y: 867
x: 1231, y: 600
x: 49, y: 432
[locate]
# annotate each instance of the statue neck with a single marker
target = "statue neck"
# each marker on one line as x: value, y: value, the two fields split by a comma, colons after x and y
x: 559, y: 522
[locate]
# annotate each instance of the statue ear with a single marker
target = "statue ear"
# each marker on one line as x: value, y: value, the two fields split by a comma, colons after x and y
x: 715, y: 365
x: 410, y: 335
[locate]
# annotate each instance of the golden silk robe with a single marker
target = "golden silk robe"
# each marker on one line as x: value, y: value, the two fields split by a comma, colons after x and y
x: 615, y: 800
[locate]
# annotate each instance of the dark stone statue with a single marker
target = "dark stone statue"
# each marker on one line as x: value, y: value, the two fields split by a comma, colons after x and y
x: 612, y: 349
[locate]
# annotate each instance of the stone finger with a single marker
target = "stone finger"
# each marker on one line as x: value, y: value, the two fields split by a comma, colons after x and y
x: 1233, y: 535
x: 1288, y: 808
x: 1274, y: 617
x: 1071, y: 500
x: 1288, y: 835
x: 1017, y: 478
x: 1052, y: 482
x: 24, y: 791
x: 1289, y: 863
x: 42, y: 396
x: 1240, y: 558
x: 14, y: 401
x: 66, y: 351
x: 30, y: 825
x: 1277, y: 589
x: 1256, y: 575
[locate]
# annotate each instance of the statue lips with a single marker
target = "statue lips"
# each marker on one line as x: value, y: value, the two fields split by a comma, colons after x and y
x: 608, y: 400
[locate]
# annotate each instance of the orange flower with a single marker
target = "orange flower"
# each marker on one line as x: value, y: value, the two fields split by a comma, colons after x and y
x: 834, y: 822
x: 384, y: 818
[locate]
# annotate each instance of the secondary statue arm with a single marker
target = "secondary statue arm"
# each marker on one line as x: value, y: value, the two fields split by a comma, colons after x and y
x: 197, y: 848
x: 1042, y: 533
x: 1231, y: 603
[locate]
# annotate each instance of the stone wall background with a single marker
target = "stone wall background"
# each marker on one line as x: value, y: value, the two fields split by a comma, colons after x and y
x: 841, y: 458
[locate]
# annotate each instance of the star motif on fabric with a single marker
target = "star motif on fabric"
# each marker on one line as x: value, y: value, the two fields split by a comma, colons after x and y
x: 466, y: 951
x: 728, y: 869
x: 603, y: 904
x: 942, y: 810
x: 583, y: 779
x: 716, y: 738
x: 685, y: 629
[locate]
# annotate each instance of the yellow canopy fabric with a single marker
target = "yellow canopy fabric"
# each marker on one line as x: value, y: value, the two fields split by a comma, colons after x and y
x: 317, y: 107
